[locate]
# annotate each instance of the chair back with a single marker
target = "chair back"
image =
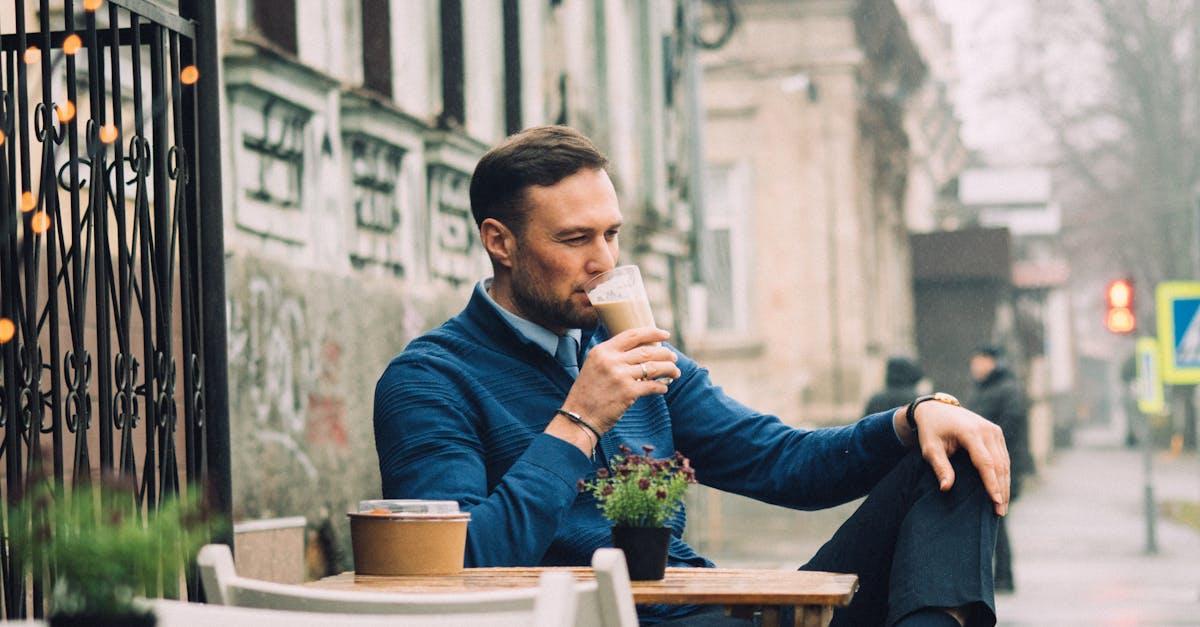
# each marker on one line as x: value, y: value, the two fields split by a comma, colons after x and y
x: 614, y: 593
x: 552, y: 603
x: 605, y: 602
x: 180, y: 614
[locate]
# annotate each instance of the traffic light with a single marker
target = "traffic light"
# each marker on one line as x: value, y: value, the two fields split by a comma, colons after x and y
x: 1118, y: 316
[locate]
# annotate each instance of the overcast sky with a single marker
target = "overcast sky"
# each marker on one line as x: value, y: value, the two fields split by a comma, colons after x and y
x: 988, y: 40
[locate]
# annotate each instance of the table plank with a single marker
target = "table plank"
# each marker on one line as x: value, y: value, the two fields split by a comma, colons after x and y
x: 700, y: 586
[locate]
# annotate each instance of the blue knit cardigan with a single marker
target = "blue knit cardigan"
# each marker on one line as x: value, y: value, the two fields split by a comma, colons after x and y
x: 459, y: 415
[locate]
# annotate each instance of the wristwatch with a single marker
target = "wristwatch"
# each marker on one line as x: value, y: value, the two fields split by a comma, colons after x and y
x: 911, y: 413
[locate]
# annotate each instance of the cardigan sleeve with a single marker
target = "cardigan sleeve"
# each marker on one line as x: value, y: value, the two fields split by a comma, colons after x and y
x: 737, y: 449
x: 429, y: 448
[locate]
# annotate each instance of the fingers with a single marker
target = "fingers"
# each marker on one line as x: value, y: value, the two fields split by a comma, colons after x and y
x: 655, y: 370
x: 985, y: 462
x: 647, y: 387
x: 999, y: 451
x: 646, y: 353
x: 628, y: 340
x: 936, y: 456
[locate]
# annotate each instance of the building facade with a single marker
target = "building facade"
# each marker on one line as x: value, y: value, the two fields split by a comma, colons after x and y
x: 808, y: 159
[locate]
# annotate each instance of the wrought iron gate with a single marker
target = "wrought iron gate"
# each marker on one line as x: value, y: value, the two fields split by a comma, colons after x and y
x: 112, y: 338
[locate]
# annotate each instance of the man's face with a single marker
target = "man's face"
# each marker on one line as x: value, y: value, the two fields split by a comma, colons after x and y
x: 982, y: 366
x: 570, y: 236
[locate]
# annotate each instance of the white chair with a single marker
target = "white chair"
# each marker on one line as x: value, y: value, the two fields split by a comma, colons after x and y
x: 551, y: 604
x: 614, y: 595
x: 557, y: 587
x: 605, y: 602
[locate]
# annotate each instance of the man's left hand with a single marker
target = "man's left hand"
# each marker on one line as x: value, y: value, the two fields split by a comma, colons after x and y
x: 943, y: 429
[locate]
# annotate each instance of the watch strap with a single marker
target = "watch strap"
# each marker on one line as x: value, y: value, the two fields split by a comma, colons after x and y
x: 910, y: 414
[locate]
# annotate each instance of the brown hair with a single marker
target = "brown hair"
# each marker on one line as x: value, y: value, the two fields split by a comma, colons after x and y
x: 542, y: 155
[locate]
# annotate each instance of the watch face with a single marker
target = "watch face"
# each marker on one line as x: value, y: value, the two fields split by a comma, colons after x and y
x: 946, y: 398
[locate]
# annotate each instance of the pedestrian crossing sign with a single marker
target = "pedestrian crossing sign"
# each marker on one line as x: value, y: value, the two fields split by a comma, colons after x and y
x: 1178, y: 304
x: 1150, y: 399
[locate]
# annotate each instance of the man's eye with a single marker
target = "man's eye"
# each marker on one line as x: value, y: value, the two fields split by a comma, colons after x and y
x: 611, y: 235
x: 578, y: 241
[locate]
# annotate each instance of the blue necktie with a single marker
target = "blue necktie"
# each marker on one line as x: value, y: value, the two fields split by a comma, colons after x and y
x: 567, y: 355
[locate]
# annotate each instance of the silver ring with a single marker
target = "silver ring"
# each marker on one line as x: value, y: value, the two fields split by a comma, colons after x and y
x: 645, y: 373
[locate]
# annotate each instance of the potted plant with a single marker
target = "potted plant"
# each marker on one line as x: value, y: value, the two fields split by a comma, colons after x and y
x: 101, y: 553
x: 639, y: 496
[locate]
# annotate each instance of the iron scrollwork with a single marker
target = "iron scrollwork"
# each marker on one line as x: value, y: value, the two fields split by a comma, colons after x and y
x: 72, y: 375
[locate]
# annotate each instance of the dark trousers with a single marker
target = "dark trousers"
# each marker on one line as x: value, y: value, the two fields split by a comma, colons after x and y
x: 913, y: 546
x: 1004, y: 574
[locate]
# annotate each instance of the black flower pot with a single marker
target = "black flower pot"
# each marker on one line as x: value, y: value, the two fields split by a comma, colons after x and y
x: 645, y: 550
x: 99, y: 620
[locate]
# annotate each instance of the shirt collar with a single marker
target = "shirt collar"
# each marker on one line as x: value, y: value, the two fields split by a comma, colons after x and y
x: 543, y: 337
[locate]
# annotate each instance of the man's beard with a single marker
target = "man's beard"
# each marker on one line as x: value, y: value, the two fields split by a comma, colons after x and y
x: 541, y: 307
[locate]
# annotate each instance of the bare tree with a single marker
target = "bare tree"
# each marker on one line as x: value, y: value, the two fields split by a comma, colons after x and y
x: 1117, y: 83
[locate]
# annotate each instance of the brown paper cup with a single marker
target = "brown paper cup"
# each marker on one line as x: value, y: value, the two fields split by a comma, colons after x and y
x: 408, y: 544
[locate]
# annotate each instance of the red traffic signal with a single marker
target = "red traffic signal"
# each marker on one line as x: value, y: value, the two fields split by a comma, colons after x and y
x: 1119, y: 317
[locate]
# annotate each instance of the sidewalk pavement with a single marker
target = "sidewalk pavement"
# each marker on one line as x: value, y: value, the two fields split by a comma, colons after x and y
x: 1078, y: 536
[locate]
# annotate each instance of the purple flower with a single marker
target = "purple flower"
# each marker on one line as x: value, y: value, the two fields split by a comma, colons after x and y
x: 643, y: 484
x: 580, y: 485
x: 602, y: 473
x: 606, y: 490
x: 649, y: 448
x: 624, y: 449
x: 661, y: 494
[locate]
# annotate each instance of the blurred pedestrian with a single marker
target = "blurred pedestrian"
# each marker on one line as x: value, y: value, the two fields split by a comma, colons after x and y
x: 1000, y: 398
x: 900, y: 385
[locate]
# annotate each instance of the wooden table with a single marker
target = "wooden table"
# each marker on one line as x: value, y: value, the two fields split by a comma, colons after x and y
x: 813, y: 594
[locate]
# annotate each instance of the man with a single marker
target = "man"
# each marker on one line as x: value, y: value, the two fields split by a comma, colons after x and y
x: 998, y: 397
x: 470, y: 412
x: 901, y: 376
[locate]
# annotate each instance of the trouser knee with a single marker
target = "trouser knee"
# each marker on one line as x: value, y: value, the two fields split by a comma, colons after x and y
x: 967, y: 482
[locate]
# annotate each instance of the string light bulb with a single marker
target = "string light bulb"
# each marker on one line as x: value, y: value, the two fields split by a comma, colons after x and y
x: 189, y: 75
x: 7, y: 330
x: 65, y: 112
x: 40, y: 222
x: 108, y: 133
x: 28, y: 202
x: 33, y: 54
x: 72, y: 44
x: 92, y: 5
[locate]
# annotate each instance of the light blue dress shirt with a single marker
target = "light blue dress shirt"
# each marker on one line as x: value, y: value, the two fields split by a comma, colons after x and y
x: 535, y: 333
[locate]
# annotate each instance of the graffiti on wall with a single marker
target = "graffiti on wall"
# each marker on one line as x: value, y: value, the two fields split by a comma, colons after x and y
x: 272, y: 366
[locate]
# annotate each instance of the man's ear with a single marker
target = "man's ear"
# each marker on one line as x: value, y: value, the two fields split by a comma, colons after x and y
x: 499, y: 242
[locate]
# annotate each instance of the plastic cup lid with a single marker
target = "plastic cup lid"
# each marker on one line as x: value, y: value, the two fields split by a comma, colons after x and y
x: 409, y: 506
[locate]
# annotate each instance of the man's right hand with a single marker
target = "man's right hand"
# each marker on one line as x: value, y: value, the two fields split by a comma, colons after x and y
x: 613, y: 378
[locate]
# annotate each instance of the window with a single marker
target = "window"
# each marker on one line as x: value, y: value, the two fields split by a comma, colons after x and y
x: 723, y: 250
x: 512, y: 66
x: 276, y: 21
x: 454, y: 105
x: 377, y: 46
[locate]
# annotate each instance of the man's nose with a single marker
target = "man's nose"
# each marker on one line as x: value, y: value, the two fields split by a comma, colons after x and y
x: 602, y: 259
